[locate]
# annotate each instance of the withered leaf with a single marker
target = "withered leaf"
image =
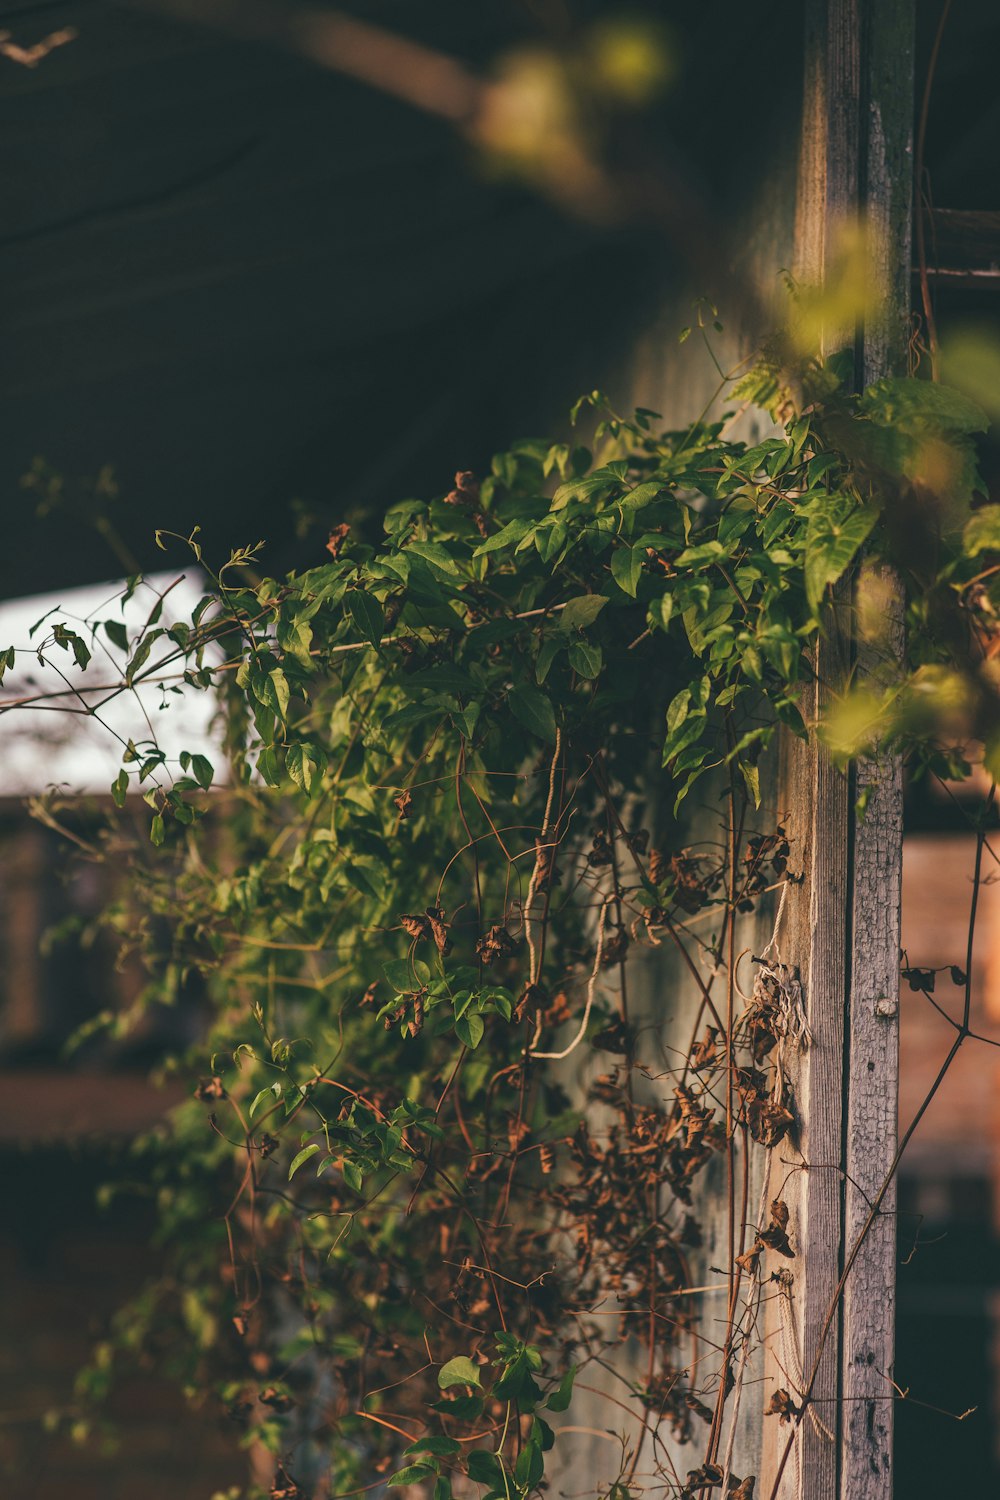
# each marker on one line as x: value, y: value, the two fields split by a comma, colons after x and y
x: 403, y: 802
x: 211, y: 1088
x: 416, y: 924
x: 781, y: 1406
x: 614, y: 947
x: 705, y: 1053
x: 277, y: 1400
x: 769, y: 1122
x: 338, y: 536
x: 705, y: 1477
x: 494, y: 944
x: 439, y: 929
x: 775, y: 1236
x: 535, y: 997
x: 613, y: 1037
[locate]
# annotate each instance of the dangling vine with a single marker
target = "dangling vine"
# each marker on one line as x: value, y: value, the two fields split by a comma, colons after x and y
x: 443, y: 1163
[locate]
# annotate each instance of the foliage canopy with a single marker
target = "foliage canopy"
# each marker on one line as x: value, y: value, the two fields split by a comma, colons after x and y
x: 449, y: 826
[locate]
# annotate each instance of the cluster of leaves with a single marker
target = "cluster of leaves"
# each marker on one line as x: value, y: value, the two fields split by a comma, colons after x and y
x: 456, y: 766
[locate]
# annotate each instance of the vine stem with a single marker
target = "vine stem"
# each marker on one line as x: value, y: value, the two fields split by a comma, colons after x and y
x: 591, y: 987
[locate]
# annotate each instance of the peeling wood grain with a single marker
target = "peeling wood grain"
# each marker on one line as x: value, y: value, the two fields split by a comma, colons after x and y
x: 816, y: 796
x: 872, y: 1075
x: 843, y: 927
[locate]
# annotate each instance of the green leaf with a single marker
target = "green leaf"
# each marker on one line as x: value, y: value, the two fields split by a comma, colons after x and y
x: 982, y: 534
x: 70, y: 641
x: 585, y: 659
x: 563, y: 1394
x: 581, y: 612
x: 270, y: 1093
x: 412, y: 1474
x: 643, y: 494
x: 677, y: 710
x: 268, y: 766
x: 920, y: 406
x: 542, y: 1434
x: 117, y: 634
x: 278, y: 693
x: 302, y: 1157
x: 464, y: 1408
x: 157, y: 832
x: 433, y: 553
x: 486, y: 1468
x: 626, y: 568
x: 751, y: 775
x: 406, y: 975
x: 300, y: 766
x: 602, y: 482
x: 530, y: 1466
x: 353, y: 1176
x: 469, y: 1029
x: 833, y: 539
x: 202, y: 770
x: 367, y: 614
x: 140, y: 655
x: 119, y: 788
x: 547, y: 652
x: 533, y: 710
x: 506, y: 537
x: 458, y: 1371
x: 433, y: 1443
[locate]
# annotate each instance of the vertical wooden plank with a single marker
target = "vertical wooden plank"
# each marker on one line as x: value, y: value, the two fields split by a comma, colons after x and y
x: 873, y: 1035
x: 816, y: 797
x: 843, y: 929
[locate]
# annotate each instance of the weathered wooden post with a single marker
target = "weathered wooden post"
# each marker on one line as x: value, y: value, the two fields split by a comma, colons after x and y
x: 843, y: 920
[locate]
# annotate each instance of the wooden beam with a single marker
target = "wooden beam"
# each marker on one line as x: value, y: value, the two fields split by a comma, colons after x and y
x: 815, y: 799
x: 963, y: 249
x: 843, y: 921
x: 872, y: 1052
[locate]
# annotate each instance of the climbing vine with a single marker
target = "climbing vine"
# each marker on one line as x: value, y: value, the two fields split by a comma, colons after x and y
x: 483, y: 778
